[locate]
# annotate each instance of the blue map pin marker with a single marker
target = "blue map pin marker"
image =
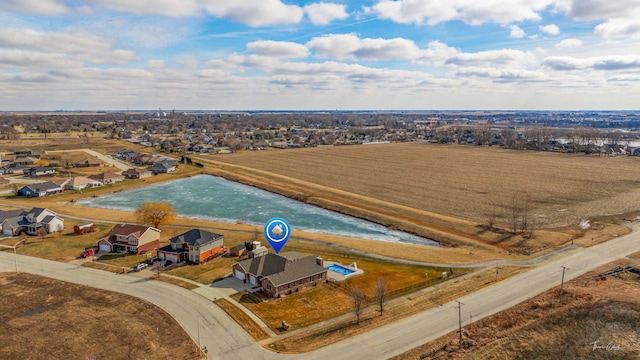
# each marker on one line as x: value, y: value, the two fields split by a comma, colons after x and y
x: 277, y: 232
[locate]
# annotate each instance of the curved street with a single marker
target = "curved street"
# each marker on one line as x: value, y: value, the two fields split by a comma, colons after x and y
x: 226, y: 340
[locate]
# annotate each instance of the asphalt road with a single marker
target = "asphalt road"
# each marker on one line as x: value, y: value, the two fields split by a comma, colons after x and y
x: 226, y: 340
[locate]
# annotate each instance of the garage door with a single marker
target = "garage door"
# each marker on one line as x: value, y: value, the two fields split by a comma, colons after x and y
x: 171, y: 257
x: 105, y: 247
x: 252, y: 280
x: 238, y: 274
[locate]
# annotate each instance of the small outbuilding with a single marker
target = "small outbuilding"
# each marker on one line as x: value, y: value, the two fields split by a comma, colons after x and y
x: 238, y: 250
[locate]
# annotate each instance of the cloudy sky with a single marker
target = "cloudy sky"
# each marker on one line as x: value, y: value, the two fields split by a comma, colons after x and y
x: 297, y: 55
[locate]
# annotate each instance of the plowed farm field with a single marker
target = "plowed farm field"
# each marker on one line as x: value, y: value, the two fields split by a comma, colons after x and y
x: 464, y: 182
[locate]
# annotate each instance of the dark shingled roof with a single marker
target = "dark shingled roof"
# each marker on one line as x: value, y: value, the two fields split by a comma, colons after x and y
x: 282, y: 269
x: 197, y: 237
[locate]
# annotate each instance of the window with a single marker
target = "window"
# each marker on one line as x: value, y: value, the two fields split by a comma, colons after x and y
x: 311, y: 278
x: 268, y: 287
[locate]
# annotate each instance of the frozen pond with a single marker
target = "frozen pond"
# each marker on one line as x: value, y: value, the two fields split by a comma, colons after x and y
x: 214, y: 198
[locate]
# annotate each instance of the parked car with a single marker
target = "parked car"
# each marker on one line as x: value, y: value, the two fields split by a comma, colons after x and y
x: 140, y: 266
x: 88, y: 252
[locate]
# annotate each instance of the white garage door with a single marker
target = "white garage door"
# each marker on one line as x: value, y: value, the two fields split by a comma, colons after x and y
x: 238, y: 274
x: 105, y: 247
x: 252, y: 280
x: 171, y: 257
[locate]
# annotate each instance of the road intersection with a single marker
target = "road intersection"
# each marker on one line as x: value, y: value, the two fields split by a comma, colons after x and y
x: 226, y: 340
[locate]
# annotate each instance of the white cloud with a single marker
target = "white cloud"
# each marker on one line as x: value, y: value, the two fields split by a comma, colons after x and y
x: 588, y: 10
x: 350, y: 46
x: 24, y: 59
x: 59, y: 42
x: 79, y: 46
x: 619, y: 28
x: 324, y: 13
x: 171, y: 8
x: 516, y: 32
x: 551, y: 29
x: 621, y: 18
x: 493, y: 58
x: 603, y: 63
x: 568, y: 43
x: 505, y: 75
x: 280, y: 49
x: 470, y: 11
x: 435, y: 53
x: 255, y: 13
x: 156, y: 65
x: 44, y: 7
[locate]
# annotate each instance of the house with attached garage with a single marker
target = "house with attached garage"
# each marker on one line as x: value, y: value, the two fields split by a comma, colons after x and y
x: 31, y: 222
x: 163, y: 167
x: 283, y: 274
x: 78, y: 183
x: 130, y: 238
x: 195, y: 246
x: 134, y: 173
x: 39, y: 171
x: 107, y: 177
x: 40, y: 189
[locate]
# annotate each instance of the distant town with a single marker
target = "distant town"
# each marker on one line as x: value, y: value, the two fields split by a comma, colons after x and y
x: 592, y: 132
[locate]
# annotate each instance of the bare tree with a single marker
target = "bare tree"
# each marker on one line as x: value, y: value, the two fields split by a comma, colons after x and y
x: 382, y: 294
x: 358, y: 298
x: 158, y: 268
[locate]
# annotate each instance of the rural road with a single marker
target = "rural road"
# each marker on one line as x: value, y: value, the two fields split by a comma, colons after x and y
x: 226, y: 340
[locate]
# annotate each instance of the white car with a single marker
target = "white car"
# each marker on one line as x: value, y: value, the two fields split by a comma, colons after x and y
x: 140, y: 266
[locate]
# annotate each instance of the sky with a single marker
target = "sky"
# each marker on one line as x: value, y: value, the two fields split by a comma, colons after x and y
x: 306, y: 55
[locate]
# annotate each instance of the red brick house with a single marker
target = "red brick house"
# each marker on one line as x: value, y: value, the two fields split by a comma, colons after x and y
x: 281, y: 274
x: 130, y: 238
x: 195, y: 246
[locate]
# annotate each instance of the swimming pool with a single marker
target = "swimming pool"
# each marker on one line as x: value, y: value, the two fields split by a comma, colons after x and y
x: 340, y: 270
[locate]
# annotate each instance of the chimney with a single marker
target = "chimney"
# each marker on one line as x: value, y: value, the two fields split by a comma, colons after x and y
x: 319, y: 261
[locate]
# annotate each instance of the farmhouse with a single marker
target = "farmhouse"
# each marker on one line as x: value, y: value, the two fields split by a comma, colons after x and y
x: 134, y: 173
x: 281, y: 274
x: 31, y: 222
x: 130, y: 238
x: 195, y: 246
x: 40, y: 189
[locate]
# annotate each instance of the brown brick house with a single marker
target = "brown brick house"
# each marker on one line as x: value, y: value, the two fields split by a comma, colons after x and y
x: 130, y: 238
x: 194, y: 245
x: 281, y: 274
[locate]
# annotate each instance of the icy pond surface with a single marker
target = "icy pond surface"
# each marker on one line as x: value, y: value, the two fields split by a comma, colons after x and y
x: 214, y: 198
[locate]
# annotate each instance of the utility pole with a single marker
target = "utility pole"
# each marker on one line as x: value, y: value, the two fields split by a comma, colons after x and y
x: 562, y: 282
x: 459, y: 323
x: 497, y: 269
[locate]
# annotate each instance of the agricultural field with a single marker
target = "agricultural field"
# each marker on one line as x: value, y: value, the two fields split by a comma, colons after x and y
x: 468, y: 183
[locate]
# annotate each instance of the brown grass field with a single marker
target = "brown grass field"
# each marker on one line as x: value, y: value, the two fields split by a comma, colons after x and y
x: 546, y: 328
x: 49, y: 319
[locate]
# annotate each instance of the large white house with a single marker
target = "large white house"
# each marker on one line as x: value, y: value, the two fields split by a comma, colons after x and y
x: 15, y: 222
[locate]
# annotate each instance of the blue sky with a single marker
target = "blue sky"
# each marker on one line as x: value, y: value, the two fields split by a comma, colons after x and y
x: 297, y: 55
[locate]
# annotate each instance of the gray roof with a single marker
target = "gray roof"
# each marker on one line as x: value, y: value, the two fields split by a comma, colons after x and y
x: 7, y: 214
x: 282, y: 269
x: 297, y: 269
x: 197, y: 237
x: 43, y: 186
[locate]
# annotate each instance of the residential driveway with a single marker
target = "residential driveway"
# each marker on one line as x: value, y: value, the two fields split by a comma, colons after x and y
x: 226, y: 340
